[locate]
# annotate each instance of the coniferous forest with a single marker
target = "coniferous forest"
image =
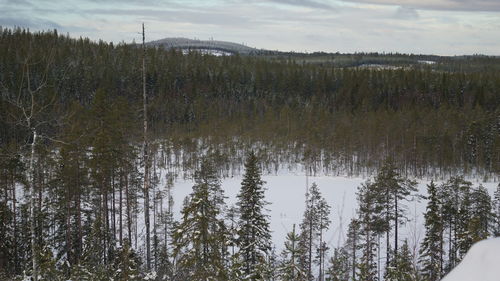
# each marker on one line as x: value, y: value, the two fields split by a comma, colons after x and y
x: 85, y: 189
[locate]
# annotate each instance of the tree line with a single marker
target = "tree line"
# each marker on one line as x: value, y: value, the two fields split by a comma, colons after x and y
x: 433, y: 121
x: 93, y: 231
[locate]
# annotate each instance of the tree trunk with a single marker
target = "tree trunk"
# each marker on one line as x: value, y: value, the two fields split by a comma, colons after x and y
x: 34, y: 251
x: 146, y: 156
x: 396, y: 215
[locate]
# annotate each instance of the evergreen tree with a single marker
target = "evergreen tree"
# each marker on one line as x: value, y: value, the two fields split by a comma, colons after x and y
x: 454, y: 196
x: 396, y: 190
x: 126, y: 265
x: 479, y: 226
x: 496, y: 212
x: 352, y: 246
x: 401, y: 267
x: 199, y: 239
x: 314, y: 223
x: 339, y: 268
x: 254, y: 237
x: 289, y: 269
x: 431, y: 250
x: 371, y: 221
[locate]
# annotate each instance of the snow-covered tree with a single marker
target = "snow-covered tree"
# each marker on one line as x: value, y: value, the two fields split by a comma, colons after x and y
x: 401, y: 267
x: 480, y: 213
x: 431, y: 250
x: 496, y: 212
x: 289, y: 269
x: 254, y: 236
x: 339, y: 268
x: 371, y: 221
x: 314, y: 223
x: 198, y: 239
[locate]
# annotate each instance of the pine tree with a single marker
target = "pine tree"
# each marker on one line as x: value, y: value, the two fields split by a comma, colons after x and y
x: 401, y: 267
x: 198, y: 239
x: 496, y: 212
x: 352, y: 246
x: 339, y: 268
x: 396, y: 189
x: 479, y: 226
x: 454, y: 197
x: 254, y: 238
x: 431, y: 250
x: 314, y: 223
x: 323, y: 214
x: 127, y: 264
x: 371, y: 221
x: 289, y: 269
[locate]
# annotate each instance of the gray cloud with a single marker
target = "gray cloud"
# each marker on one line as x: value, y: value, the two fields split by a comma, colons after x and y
x: 442, y: 5
x: 305, y: 3
x: 29, y: 22
x: 411, y: 26
x: 183, y: 16
x: 407, y: 13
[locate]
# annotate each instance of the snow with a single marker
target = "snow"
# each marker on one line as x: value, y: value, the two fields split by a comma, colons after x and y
x: 286, y: 193
x: 480, y: 263
x: 286, y: 190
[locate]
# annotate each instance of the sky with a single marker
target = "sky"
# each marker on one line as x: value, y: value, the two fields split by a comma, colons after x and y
x: 442, y: 27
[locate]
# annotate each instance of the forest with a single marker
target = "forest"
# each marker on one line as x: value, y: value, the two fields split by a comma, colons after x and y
x: 72, y: 160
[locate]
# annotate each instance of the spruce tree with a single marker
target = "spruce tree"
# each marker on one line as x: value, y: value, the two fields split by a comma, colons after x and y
x: 254, y: 237
x: 431, y: 250
x: 371, y: 221
x: 126, y: 265
x: 352, y: 246
x: 401, y: 267
x: 289, y: 269
x: 496, y: 212
x: 315, y: 222
x: 339, y: 268
x: 479, y: 226
x: 199, y: 239
x: 454, y: 197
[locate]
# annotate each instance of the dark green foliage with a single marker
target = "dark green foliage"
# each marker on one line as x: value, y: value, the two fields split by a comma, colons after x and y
x: 339, y: 268
x: 314, y: 223
x: 126, y: 264
x: 401, y: 267
x: 496, y: 212
x: 444, y: 120
x: 372, y: 223
x: 198, y: 239
x: 480, y: 214
x: 254, y: 236
x: 289, y: 269
x: 455, y: 199
x: 431, y: 250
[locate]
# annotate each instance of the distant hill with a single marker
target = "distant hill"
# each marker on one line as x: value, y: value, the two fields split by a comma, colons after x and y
x: 221, y: 47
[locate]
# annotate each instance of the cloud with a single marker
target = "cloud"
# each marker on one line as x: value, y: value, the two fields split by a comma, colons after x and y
x: 441, y: 5
x: 304, y: 3
x: 29, y: 22
x: 407, y: 13
x: 411, y: 26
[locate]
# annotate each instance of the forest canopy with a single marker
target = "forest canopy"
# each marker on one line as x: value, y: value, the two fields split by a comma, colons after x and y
x: 431, y: 119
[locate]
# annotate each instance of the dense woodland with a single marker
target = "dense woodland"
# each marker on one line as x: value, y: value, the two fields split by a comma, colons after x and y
x: 72, y: 168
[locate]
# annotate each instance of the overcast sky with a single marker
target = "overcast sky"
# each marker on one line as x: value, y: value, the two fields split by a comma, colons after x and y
x: 444, y: 27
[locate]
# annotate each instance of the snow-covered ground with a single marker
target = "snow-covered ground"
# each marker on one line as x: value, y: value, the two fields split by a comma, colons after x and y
x: 480, y: 263
x: 286, y: 193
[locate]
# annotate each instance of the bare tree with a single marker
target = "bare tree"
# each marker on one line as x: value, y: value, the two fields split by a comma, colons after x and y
x: 145, y: 154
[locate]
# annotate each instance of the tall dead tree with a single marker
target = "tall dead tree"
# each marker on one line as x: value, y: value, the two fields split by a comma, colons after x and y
x: 28, y: 110
x: 145, y: 153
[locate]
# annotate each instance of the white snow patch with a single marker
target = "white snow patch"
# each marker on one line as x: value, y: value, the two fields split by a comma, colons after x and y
x: 480, y: 263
